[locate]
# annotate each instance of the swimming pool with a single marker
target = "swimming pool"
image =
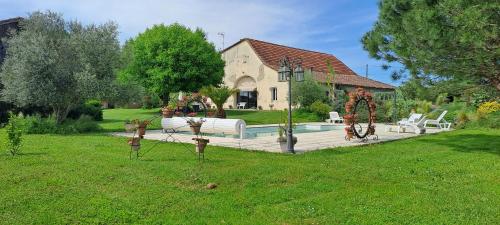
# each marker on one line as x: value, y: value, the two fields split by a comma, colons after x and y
x: 254, y: 132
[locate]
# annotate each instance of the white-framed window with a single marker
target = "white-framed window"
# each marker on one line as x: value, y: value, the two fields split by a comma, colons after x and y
x: 274, y: 94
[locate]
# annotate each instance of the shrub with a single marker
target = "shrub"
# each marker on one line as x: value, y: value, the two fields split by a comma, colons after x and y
x: 423, y: 106
x: 479, y: 96
x: 307, y: 92
x: 487, y: 108
x: 321, y: 109
x: 151, y: 101
x: 84, y: 124
x: 39, y: 125
x: 91, y: 108
x: 461, y: 120
x: 14, y: 134
x: 491, y: 120
x: 441, y: 98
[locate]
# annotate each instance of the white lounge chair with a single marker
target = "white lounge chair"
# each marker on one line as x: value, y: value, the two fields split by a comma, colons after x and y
x: 412, y: 119
x: 416, y: 127
x: 242, y: 105
x: 335, y: 117
x: 440, y: 122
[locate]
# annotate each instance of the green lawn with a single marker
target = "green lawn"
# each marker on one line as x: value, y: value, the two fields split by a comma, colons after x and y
x: 450, y: 178
x: 115, y: 118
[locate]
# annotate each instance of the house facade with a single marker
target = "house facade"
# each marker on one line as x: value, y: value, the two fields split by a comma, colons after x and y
x: 252, y: 67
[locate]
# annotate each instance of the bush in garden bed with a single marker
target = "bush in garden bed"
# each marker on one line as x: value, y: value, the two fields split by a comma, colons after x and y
x: 39, y: 125
x: 91, y: 108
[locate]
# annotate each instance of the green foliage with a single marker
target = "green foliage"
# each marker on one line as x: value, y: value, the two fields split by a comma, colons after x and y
x: 491, y: 120
x: 4, y: 112
x: 127, y: 94
x: 479, y: 96
x: 423, y: 106
x: 321, y: 109
x: 173, y: 58
x: 462, y: 119
x: 441, y: 98
x: 91, y: 108
x: 14, y: 135
x: 151, y: 101
x: 306, y: 92
x: 448, y: 38
x: 39, y: 125
x: 330, y: 81
x: 57, y: 64
x: 219, y: 96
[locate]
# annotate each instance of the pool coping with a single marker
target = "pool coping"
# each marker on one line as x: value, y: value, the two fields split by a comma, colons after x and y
x: 310, y: 141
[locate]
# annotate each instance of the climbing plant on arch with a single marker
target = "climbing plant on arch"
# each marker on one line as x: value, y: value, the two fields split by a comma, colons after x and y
x: 357, y: 99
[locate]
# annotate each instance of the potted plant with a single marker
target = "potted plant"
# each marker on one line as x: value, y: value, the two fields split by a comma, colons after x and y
x: 371, y: 130
x: 168, y: 111
x: 211, y: 113
x: 349, y: 133
x: 201, y: 143
x: 348, y: 119
x: 135, y: 143
x: 192, y: 114
x: 282, y: 139
x: 195, y: 125
x: 129, y: 126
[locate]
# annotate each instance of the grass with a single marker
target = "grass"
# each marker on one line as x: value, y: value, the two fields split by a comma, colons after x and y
x: 115, y: 118
x: 449, y: 178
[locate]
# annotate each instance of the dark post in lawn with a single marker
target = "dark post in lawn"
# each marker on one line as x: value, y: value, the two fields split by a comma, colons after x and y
x: 285, y: 73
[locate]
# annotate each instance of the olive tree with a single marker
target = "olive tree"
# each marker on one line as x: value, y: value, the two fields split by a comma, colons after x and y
x: 58, y: 64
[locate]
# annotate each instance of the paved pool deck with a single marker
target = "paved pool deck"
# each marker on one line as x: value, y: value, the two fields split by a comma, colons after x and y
x: 306, y: 141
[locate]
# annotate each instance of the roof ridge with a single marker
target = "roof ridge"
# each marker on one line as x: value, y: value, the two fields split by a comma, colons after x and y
x: 301, y: 49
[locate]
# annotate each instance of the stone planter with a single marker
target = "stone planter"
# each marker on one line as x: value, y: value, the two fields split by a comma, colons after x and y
x: 283, y: 144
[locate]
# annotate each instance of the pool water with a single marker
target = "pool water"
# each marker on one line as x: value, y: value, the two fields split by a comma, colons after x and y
x: 254, y: 132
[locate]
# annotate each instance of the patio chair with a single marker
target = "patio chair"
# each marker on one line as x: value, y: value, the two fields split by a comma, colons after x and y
x: 416, y: 127
x: 242, y: 105
x: 440, y: 122
x: 412, y: 119
x: 335, y: 117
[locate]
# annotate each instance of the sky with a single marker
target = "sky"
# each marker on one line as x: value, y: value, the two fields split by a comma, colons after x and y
x: 331, y: 26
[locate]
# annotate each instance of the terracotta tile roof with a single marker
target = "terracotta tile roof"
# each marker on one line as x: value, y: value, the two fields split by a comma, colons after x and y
x: 270, y: 54
x: 353, y: 80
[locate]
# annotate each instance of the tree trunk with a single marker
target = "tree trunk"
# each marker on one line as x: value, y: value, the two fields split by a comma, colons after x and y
x: 165, y: 98
x: 60, y: 113
x: 221, y: 113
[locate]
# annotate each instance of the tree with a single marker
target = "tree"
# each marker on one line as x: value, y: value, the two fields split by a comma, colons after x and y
x: 330, y: 81
x: 307, y: 92
x: 455, y: 39
x: 59, y: 64
x: 173, y: 58
x: 219, y: 96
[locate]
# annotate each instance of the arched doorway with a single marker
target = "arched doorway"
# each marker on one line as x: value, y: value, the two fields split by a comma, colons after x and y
x: 247, y: 97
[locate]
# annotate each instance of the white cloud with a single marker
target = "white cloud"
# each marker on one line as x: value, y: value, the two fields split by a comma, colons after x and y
x: 271, y: 21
